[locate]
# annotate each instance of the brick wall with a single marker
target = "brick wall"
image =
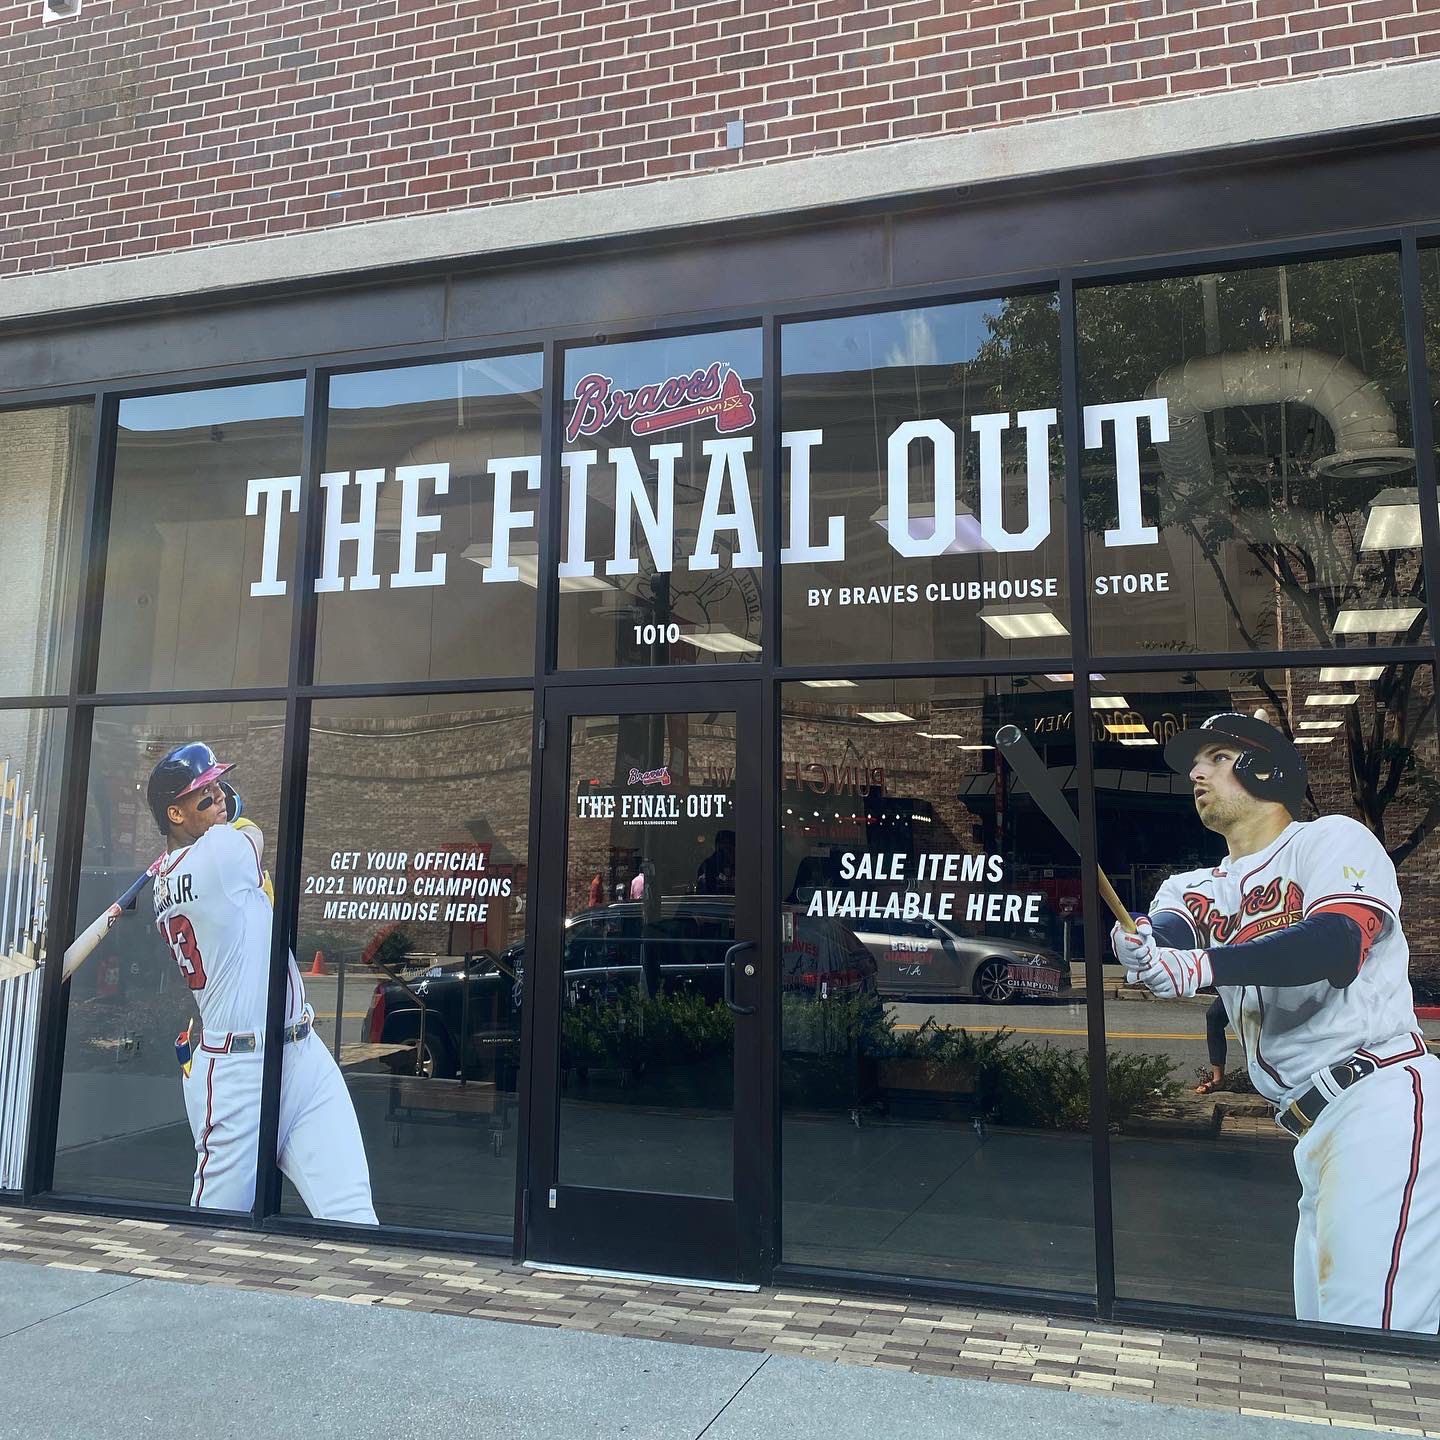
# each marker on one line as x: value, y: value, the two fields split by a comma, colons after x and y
x: 141, y: 127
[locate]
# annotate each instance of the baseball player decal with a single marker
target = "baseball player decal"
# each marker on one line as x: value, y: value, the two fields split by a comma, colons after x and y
x: 213, y: 909
x: 1298, y: 928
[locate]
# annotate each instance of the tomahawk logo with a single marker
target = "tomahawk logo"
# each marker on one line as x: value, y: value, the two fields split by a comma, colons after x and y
x: 716, y: 393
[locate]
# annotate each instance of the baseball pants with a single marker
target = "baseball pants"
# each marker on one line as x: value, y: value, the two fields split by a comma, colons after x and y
x: 1369, y: 1231
x: 319, y: 1146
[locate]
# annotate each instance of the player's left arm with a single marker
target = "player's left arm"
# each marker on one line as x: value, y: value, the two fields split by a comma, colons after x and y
x: 1350, y: 895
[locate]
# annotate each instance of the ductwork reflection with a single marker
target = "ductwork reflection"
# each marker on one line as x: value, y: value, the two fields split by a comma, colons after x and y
x: 1354, y: 406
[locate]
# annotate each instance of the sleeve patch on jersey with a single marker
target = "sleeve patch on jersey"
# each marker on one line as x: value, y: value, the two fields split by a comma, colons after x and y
x: 1366, y: 914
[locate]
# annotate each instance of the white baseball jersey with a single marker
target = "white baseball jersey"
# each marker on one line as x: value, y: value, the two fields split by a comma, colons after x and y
x: 1333, y: 865
x: 215, y: 919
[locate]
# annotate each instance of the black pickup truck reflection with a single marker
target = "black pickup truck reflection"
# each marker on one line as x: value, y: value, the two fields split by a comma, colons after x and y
x: 462, y: 1015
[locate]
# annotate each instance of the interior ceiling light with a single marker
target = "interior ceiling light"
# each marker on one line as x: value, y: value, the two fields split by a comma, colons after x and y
x: 1109, y: 702
x: 1023, y: 622
x: 1313, y: 739
x: 1394, y: 521
x: 1069, y: 679
x: 1338, y: 697
x: 1335, y: 674
x: 977, y: 747
x: 1321, y: 724
x: 938, y: 735
x: 1150, y: 740
x: 719, y: 640
x: 1127, y: 727
x: 832, y: 684
x: 527, y: 562
x: 1389, y: 619
x: 968, y: 539
x: 887, y: 717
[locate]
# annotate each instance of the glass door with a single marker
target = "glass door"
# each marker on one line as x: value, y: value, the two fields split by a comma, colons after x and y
x: 646, y: 1117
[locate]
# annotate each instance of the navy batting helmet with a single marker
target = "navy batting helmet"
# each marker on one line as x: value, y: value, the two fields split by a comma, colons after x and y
x: 1269, y: 766
x: 186, y: 768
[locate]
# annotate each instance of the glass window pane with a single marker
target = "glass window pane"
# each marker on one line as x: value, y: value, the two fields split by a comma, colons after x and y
x: 647, y: 1043
x: 44, y: 462
x: 1249, y: 470
x: 440, y: 464
x: 1315, y: 812
x: 32, y: 745
x: 934, y: 1068
x: 887, y: 416
x: 133, y: 1123
x: 412, y: 930
x: 660, y: 509
x: 200, y: 555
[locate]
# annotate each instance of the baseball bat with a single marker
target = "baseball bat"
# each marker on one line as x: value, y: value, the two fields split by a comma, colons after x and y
x: 22, y: 960
x: 1055, y: 807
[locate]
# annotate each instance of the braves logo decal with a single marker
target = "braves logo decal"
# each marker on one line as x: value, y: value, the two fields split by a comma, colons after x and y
x: 1262, y: 911
x: 715, y: 393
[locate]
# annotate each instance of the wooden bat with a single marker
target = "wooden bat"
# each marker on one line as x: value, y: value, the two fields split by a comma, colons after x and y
x: 84, y: 943
x: 1055, y: 807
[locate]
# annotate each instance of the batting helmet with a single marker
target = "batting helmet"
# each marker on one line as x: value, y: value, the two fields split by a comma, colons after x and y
x: 186, y: 768
x: 1269, y: 766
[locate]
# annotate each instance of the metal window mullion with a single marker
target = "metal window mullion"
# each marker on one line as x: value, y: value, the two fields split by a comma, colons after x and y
x: 547, y: 595
x: 1085, y: 780
x: 771, y: 1017
x: 39, y: 1170
x: 286, y: 851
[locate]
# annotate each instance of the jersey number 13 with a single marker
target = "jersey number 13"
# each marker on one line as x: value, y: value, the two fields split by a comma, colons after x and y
x: 180, y: 934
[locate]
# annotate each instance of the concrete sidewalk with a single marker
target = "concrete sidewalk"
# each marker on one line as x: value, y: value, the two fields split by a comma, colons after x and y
x: 94, y: 1354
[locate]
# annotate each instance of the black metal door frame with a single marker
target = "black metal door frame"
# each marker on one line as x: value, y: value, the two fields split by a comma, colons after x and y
x: 633, y: 1230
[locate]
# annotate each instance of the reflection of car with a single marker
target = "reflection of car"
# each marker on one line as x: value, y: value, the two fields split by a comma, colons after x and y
x: 929, y: 958
x: 608, y: 949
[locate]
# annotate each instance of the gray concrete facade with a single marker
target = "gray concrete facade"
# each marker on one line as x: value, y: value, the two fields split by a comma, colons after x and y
x: 1160, y: 131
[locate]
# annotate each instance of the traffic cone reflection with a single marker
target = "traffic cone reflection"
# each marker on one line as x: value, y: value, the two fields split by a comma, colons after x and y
x: 317, y: 965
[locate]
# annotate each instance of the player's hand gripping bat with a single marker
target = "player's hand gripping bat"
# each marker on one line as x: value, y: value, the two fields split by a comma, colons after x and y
x: 1056, y: 808
x: 84, y: 943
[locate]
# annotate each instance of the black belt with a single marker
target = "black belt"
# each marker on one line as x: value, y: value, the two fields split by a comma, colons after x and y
x: 1302, y: 1112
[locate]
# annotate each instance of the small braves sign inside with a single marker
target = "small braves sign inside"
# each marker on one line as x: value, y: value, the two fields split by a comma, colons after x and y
x: 715, y: 393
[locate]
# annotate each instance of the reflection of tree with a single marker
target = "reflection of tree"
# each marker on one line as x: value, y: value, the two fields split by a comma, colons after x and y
x: 1298, y: 530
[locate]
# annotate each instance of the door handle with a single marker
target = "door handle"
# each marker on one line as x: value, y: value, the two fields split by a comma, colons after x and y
x: 729, y: 963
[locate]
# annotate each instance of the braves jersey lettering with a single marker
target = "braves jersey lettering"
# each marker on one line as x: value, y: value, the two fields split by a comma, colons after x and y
x: 1330, y: 865
x: 215, y: 920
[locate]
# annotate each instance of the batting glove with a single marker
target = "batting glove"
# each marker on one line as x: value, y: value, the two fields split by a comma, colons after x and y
x: 234, y: 805
x: 1173, y: 973
x: 1134, y: 950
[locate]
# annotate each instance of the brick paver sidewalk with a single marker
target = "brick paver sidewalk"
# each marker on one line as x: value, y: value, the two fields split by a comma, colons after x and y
x: 1308, y: 1384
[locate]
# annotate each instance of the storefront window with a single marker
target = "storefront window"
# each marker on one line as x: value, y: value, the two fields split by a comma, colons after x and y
x: 1249, y: 476
x: 32, y: 746
x: 660, y: 509
x: 198, y: 566
x: 412, y: 930
x: 923, y: 481
x: 1335, y: 918
x: 935, y: 1078
x: 143, y: 1115
x: 431, y: 548
x: 652, y: 900
x: 44, y: 456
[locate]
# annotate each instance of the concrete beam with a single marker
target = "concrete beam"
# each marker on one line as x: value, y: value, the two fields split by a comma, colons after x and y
x: 1158, y: 131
